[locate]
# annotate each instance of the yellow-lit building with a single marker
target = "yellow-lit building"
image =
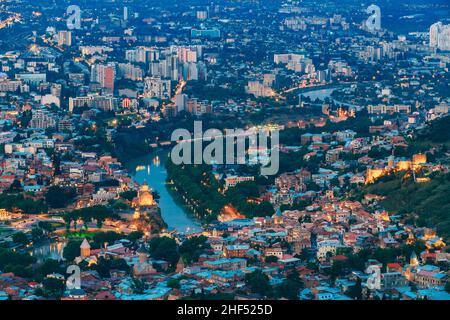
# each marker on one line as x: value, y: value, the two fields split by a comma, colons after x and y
x: 4, y: 215
x: 432, y: 240
x: 416, y: 163
x: 144, y: 197
x: 374, y: 174
x: 419, y: 159
x: 403, y: 165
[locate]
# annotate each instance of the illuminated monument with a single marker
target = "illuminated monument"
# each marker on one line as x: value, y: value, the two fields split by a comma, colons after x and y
x: 418, y: 160
x: 144, y: 200
x: 145, y: 197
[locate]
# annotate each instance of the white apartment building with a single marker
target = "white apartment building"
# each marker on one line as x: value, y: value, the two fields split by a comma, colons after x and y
x: 440, y: 36
x: 157, y: 87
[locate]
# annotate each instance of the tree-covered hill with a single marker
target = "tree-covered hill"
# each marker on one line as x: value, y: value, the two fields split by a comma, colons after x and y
x: 427, y: 204
x: 437, y: 132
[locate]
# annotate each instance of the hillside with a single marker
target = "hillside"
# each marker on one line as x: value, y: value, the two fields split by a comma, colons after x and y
x: 428, y: 204
x: 437, y: 132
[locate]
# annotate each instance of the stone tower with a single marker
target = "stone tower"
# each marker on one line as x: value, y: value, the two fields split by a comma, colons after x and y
x: 85, y: 249
x: 413, y: 261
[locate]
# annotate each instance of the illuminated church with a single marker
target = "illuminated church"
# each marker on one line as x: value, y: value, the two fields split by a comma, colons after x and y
x: 143, y: 201
x: 147, y: 215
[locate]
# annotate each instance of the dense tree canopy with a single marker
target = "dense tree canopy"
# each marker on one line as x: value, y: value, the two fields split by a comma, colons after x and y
x: 430, y: 201
x: 72, y: 250
x: 164, y: 248
x: 26, y: 205
x: 258, y: 283
x: 192, y: 248
x: 59, y: 197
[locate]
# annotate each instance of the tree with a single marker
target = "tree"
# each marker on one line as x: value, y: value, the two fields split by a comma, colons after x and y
x: 304, y: 255
x: 135, y: 236
x: 270, y: 259
x: 18, y: 263
x: 59, y: 197
x: 46, y: 226
x: 290, y: 287
x: 72, y: 250
x: 265, y: 208
x: 36, y: 234
x: 174, y: 284
x: 16, y: 186
x: 98, y: 213
x: 119, y: 205
x: 103, y: 267
x: 258, y: 283
x: 338, y: 268
x: 192, y: 248
x: 128, y: 195
x: 305, y: 219
x: 164, y: 248
x: 49, y: 266
x: 119, y: 264
x: 53, y: 288
x: 20, y: 238
x: 138, y: 286
x: 355, y: 291
x: 29, y: 206
x: 108, y: 237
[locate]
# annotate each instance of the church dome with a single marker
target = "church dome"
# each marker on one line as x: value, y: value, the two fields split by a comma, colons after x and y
x: 144, y: 187
x: 145, y: 197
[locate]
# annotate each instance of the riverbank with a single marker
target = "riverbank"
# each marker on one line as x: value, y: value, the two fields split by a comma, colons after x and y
x: 330, y: 86
x: 326, y: 92
x: 49, y: 250
x: 152, y: 169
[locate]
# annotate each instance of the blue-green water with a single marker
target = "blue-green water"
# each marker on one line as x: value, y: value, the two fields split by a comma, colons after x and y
x: 152, y: 169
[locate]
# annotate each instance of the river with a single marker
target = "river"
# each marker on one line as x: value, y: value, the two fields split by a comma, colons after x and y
x: 152, y: 169
x: 48, y: 250
x: 322, y: 94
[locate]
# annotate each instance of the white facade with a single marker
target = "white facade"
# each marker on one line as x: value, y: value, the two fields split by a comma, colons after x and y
x: 157, y: 87
x: 440, y: 36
